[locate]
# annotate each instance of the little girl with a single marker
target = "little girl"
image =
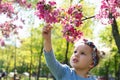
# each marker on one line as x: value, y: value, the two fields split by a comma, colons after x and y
x: 84, y: 58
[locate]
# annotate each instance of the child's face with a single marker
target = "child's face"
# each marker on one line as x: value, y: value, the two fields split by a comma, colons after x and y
x: 82, y: 57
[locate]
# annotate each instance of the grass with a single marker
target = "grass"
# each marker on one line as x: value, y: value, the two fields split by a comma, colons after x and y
x: 35, y: 79
x: 27, y: 78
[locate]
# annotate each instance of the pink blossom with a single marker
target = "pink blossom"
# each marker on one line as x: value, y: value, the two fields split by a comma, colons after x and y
x: 70, y: 10
x: 108, y: 7
x: 47, y: 12
x: 118, y: 3
x: 2, y: 43
x: 23, y: 3
x: 52, y: 3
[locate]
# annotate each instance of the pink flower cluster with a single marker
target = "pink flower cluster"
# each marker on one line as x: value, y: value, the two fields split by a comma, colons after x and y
x: 71, y: 21
x: 48, y: 11
x: 6, y: 8
x: 8, y: 27
x: 70, y: 33
x: 23, y: 3
x: 75, y: 14
x: 117, y: 3
x: 109, y: 7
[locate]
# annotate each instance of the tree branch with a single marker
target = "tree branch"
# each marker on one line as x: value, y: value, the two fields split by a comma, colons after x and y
x: 87, y: 18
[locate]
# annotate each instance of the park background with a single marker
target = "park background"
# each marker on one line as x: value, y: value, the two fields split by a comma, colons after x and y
x: 21, y: 53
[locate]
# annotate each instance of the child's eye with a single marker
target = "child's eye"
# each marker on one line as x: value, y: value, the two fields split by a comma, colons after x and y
x: 82, y: 53
x: 75, y: 51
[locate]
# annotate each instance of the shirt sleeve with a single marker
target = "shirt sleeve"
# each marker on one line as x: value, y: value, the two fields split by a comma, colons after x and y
x: 56, y: 68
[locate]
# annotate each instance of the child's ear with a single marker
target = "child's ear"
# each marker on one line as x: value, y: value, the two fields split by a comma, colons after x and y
x: 91, y: 65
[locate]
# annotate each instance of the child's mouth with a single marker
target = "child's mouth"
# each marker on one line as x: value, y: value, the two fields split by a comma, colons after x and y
x: 75, y: 60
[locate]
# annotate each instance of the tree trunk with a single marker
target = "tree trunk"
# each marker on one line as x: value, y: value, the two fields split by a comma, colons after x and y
x: 115, y: 32
x: 30, y: 74
x: 15, y: 61
x: 66, y: 53
x: 54, y: 78
x: 47, y: 77
x: 39, y: 66
x: 116, y: 37
x: 115, y: 58
x: 119, y: 72
x: 107, y: 69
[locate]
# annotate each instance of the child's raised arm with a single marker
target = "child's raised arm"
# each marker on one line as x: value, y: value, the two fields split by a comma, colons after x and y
x: 55, y: 67
x: 47, y: 38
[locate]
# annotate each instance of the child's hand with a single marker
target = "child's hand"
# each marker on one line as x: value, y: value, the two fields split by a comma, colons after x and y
x: 46, y: 32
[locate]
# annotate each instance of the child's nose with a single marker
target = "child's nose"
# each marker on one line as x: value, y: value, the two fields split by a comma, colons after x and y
x: 77, y: 54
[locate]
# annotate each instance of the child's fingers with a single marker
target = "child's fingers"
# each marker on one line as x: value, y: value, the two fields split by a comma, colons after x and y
x: 48, y: 28
x: 45, y: 30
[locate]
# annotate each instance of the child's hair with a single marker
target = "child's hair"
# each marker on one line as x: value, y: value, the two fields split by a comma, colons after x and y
x: 96, y: 54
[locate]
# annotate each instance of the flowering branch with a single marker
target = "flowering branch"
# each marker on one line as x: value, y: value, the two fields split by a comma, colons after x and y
x: 72, y: 18
x: 87, y: 18
x: 69, y: 18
